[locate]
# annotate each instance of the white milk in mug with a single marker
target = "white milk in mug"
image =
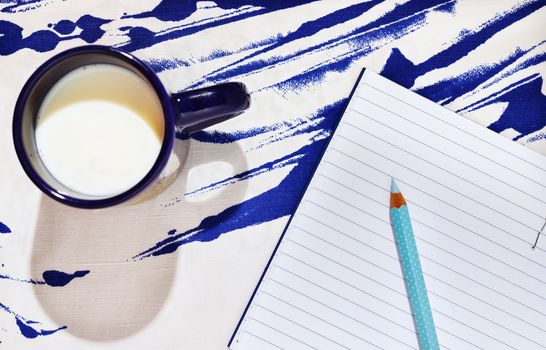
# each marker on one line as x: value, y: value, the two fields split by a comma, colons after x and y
x: 100, y: 129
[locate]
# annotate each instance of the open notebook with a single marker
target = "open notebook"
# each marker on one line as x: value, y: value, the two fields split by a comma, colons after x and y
x: 477, y: 201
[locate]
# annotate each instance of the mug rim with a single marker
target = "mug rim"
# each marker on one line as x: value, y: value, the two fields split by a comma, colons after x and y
x: 168, y: 130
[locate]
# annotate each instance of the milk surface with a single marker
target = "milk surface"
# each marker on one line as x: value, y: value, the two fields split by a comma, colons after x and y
x: 99, y: 130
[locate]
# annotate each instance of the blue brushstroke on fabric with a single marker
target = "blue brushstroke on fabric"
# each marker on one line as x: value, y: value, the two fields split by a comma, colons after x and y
x: 363, y: 44
x: 31, y: 332
x: 11, y: 39
x: 56, y: 278
x: 223, y: 53
x: 220, y: 137
x: 21, y: 3
x: 4, y: 228
x: 141, y: 39
x: 310, y: 28
x: 52, y: 278
x: 170, y: 10
x: 25, y: 327
x: 475, y: 105
x: 178, y: 10
x: 246, y: 175
x: 401, y: 70
x: 393, y: 23
x: 279, y: 131
x: 30, y: 281
x: 64, y: 27
x: 398, y: 68
x: 141, y: 36
x: 537, y: 137
x: 270, y: 205
x: 162, y: 64
x: 527, y: 62
x: 274, y: 133
x: 448, y: 90
x: 526, y: 111
x: 11, y: 35
x: 91, y: 28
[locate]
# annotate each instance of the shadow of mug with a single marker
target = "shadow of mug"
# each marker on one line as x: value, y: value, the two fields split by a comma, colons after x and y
x: 120, y: 296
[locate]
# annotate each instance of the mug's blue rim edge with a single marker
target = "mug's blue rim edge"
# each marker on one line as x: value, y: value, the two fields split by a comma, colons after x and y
x: 168, y: 133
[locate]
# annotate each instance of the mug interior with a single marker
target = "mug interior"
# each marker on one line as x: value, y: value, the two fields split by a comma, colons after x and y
x: 32, y: 97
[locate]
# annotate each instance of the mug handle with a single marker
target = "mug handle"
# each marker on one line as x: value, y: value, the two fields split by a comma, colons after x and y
x: 201, y: 108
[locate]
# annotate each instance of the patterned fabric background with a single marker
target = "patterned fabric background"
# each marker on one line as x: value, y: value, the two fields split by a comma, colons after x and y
x: 177, y: 271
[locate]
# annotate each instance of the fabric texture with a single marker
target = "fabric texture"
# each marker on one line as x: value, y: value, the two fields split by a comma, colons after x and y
x: 176, y: 272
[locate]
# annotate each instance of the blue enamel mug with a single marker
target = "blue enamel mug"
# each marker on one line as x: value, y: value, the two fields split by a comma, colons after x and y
x: 86, y: 119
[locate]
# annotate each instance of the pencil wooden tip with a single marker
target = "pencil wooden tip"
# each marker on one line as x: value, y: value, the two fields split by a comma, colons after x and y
x: 397, y: 199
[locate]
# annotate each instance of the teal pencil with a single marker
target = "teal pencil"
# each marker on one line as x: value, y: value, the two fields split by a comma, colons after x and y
x: 411, y: 268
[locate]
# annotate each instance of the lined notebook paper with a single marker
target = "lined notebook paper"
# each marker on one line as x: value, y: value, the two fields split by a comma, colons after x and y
x: 477, y: 202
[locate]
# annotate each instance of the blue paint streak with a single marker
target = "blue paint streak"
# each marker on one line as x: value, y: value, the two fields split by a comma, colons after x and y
x: 25, y: 327
x: 342, y: 62
x: 30, y: 281
x: 178, y: 10
x: 220, y: 137
x: 245, y: 175
x: 517, y: 116
x: 223, y: 53
x: 161, y: 64
x: 398, y: 68
x: 280, y: 131
x: 526, y: 111
x: 272, y: 204
x: 450, y: 89
x: 393, y: 24
x: 11, y: 35
x: 173, y: 10
x: 64, y: 27
x: 170, y: 10
x: 56, y: 278
x: 537, y: 137
x: 4, y: 228
x: 537, y: 59
x: 91, y: 28
x: 401, y: 70
x: 308, y: 29
x: 21, y: 3
x: 52, y: 278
